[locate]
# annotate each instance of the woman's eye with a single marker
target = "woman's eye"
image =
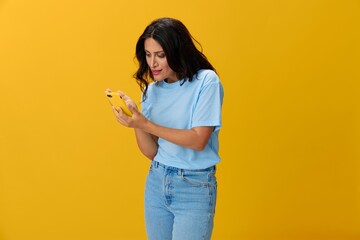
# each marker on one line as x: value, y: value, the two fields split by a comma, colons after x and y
x: 162, y: 55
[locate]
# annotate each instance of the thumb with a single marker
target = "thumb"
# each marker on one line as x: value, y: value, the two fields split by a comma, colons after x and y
x: 124, y: 96
x: 133, y: 109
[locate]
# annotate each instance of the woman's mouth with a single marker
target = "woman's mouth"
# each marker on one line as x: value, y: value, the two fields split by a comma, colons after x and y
x: 155, y: 72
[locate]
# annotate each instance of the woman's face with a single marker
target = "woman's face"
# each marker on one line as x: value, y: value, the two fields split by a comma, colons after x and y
x: 156, y: 59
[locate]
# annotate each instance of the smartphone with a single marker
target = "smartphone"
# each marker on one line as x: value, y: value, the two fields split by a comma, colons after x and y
x: 116, y: 100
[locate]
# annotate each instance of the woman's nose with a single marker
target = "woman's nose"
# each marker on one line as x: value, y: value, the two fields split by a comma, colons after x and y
x: 153, y: 62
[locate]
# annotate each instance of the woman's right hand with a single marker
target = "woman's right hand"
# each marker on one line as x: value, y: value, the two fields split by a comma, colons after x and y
x: 128, y: 100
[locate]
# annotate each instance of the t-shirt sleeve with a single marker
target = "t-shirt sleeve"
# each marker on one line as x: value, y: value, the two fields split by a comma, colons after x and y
x: 207, y: 110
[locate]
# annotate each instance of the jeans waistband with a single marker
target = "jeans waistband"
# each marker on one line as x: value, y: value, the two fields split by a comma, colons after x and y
x: 157, y: 164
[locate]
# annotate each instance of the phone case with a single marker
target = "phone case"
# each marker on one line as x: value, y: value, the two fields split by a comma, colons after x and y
x: 116, y: 101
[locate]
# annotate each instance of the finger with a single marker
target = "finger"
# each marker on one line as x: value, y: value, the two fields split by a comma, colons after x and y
x: 124, y: 96
x: 119, y: 113
x: 122, y: 121
x: 133, y: 109
x: 122, y: 118
x: 116, y: 110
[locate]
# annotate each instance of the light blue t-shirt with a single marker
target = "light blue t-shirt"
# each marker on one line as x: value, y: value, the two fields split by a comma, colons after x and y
x: 192, y: 104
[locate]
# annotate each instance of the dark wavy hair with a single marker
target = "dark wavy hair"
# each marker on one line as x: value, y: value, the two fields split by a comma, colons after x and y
x: 181, y: 53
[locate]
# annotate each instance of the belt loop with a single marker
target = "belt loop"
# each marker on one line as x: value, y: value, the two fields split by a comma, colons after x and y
x: 156, y: 164
x: 180, y: 172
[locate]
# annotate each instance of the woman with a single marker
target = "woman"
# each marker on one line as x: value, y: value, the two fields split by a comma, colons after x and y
x: 178, y: 130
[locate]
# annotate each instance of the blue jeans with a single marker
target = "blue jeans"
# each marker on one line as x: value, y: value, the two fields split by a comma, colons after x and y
x: 179, y: 204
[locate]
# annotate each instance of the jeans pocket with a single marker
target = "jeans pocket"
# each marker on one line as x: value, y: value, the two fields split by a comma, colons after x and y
x: 199, y: 178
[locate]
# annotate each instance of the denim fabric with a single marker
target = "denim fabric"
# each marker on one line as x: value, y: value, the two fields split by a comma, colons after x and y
x: 179, y: 204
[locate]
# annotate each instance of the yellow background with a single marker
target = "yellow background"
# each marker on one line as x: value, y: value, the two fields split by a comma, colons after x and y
x: 290, y: 143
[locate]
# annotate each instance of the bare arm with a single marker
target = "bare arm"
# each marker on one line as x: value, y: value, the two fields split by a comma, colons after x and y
x: 195, y: 138
x: 147, y: 143
x: 148, y: 132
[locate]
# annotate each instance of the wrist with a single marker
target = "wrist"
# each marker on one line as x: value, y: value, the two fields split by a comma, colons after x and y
x: 147, y: 126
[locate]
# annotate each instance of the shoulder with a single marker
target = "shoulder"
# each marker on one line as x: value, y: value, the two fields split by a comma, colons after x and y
x: 207, y: 76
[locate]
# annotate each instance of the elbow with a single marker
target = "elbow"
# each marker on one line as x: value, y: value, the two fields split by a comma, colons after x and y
x: 199, y: 146
x: 149, y: 154
x: 200, y: 138
x: 148, y: 151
